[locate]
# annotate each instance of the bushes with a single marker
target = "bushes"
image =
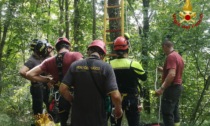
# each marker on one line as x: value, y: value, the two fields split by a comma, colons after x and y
x: 15, y: 103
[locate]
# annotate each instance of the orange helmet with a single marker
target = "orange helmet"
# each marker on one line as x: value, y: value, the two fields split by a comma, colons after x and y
x: 120, y: 43
x: 98, y: 43
x: 62, y: 39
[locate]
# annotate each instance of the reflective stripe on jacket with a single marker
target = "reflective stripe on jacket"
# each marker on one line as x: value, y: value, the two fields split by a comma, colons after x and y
x: 128, y: 73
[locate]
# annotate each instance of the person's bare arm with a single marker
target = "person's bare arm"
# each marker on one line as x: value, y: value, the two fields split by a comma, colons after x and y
x: 160, y: 69
x: 64, y: 91
x: 23, y: 71
x: 169, y: 79
x: 34, y: 75
x: 117, y: 101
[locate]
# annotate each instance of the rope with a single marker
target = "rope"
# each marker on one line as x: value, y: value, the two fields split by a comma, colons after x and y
x: 51, y: 117
x: 156, y: 78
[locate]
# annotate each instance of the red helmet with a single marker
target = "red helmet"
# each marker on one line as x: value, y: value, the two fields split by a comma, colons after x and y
x: 100, y: 44
x: 62, y: 39
x: 120, y: 43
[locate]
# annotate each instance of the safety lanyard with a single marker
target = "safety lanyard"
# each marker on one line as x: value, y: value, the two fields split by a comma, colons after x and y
x: 59, y: 63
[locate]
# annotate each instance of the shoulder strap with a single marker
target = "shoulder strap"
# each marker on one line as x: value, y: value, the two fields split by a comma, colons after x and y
x: 94, y: 81
x: 59, y: 63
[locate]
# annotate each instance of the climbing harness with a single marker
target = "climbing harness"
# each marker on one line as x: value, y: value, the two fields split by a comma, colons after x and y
x: 54, y: 92
x: 54, y: 99
x: 54, y: 102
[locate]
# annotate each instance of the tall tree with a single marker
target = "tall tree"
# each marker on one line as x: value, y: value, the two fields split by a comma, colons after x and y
x: 145, y: 49
x: 4, y: 27
x: 67, y: 18
x: 76, y: 22
x: 114, y: 24
x: 94, y: 20
x: 61, y: 17
x: 49, y: 7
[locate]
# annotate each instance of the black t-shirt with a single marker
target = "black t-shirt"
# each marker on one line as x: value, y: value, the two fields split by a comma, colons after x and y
x: 88, y: 104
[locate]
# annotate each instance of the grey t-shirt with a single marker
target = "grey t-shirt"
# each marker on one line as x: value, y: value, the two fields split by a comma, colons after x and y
x: 88, y: 107
x: 32, y: 62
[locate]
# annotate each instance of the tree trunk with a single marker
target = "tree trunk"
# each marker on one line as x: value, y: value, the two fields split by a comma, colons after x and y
x: 49, y: 6
x: 114, y: 24
x: 67, y: 17
x: 144, y: 50
x: 3, y: 36
x: 61, y: 18
x: 94, y: 21
x: 76, y: 23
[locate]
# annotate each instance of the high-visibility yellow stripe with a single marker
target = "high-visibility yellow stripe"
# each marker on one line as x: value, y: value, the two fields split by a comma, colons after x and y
x: 125, y: 63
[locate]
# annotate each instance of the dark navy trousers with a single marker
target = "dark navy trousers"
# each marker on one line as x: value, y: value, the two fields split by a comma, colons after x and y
x: 40, y: 95
x: 130, y: 107
x: 170, y: 104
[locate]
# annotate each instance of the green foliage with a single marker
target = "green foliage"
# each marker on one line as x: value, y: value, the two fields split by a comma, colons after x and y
x: 5, y: 120
x: 15, y: 104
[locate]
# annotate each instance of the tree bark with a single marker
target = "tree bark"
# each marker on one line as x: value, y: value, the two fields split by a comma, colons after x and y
x: 3, y: 33
x: 3, y: 41
x: 144, y: 50
x: 61, y: 17
x: 67, y: 18
x: 114, y: 24
x: 49, y: 6
x: 94, y: 21
x: 76, y: 23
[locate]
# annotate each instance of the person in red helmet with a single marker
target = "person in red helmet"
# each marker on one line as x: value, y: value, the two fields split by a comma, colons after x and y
x: 57, y: 67
x: 128, y: 72
x: 98, y: 81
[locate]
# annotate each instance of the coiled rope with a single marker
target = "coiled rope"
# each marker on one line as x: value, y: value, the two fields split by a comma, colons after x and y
x: 156, y: 79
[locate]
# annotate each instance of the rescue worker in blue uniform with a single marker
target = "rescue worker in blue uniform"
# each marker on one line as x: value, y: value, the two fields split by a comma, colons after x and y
x: 128, y: 72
